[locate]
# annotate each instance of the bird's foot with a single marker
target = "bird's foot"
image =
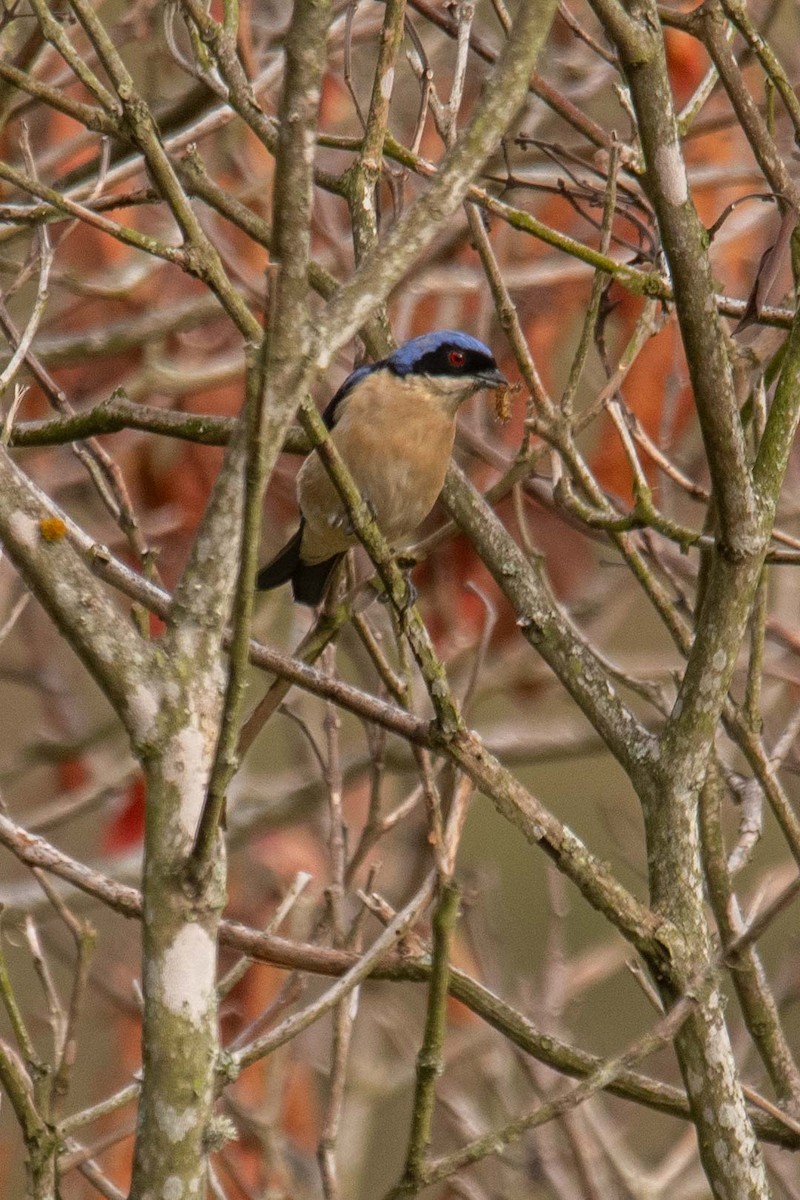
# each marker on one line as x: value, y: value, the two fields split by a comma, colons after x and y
x: 411, y: 593
x: 410, y: 598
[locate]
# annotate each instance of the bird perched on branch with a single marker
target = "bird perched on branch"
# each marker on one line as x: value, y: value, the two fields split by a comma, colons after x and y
x: 393, y: 422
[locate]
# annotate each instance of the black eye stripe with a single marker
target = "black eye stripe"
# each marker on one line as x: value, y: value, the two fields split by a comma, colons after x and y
x: 450, y: 360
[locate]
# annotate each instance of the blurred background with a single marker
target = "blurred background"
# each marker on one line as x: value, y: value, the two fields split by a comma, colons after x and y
x: 117, y: 318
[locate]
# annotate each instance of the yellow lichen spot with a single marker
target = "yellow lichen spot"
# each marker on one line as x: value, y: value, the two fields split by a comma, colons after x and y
x: 52, y: 529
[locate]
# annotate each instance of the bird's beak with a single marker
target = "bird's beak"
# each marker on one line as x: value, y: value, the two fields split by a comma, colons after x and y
x: 493, y: 378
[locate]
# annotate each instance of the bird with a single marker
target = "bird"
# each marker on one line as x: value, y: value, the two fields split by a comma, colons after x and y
x: 394, y: 423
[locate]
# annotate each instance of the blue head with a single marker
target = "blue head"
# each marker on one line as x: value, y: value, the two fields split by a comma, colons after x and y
x: 446, y: 353
x: 453, y: 362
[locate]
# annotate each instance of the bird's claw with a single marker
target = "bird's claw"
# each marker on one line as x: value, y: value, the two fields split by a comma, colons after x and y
x: 411, y: 594
x: 409, y: 600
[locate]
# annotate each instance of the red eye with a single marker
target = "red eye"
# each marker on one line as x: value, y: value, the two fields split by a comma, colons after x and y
x: 456, y: 358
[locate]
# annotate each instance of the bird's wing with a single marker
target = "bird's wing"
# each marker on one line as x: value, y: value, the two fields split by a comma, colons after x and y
x: 331, y: 414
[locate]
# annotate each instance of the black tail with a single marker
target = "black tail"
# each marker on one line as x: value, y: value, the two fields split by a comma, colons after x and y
x: 309, y: 580
x: 283, y: 565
